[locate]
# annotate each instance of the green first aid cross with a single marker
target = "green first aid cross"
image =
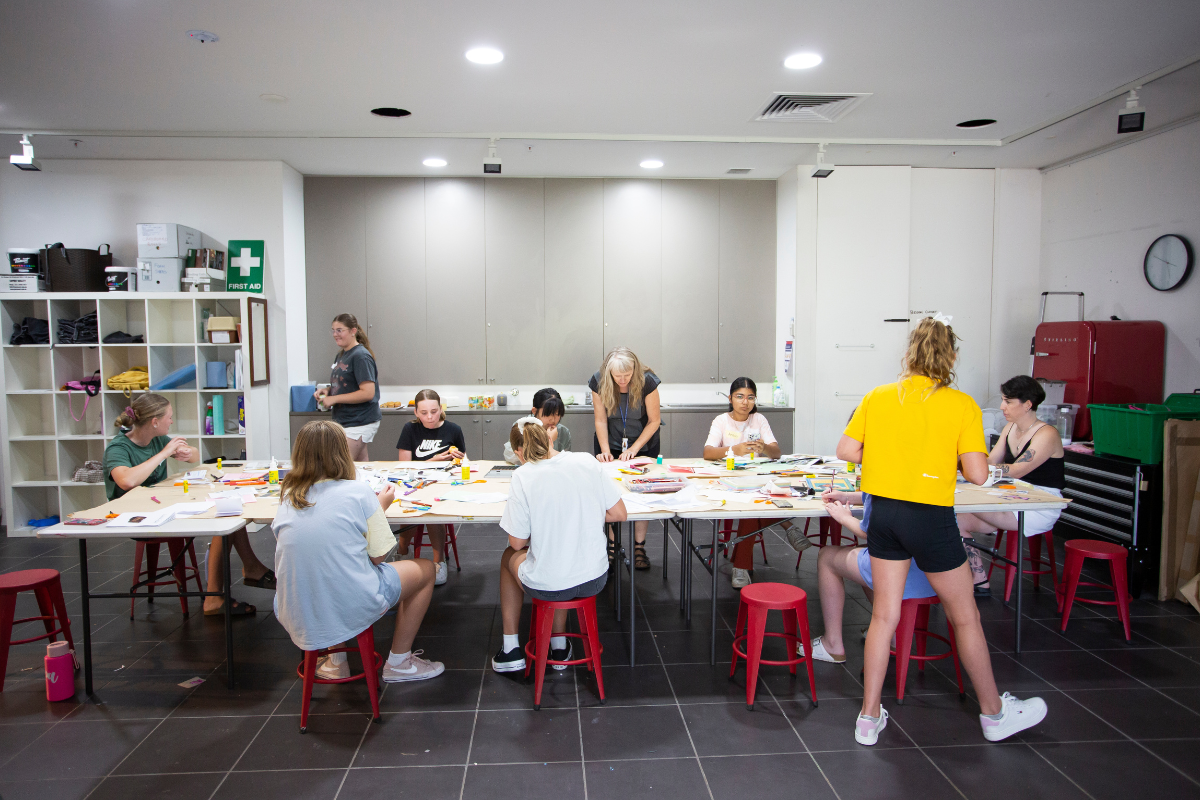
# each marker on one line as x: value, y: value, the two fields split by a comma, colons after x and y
x: 244, y: 272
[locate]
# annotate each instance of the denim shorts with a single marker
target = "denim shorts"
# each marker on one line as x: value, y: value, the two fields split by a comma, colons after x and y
x: 589, y: 589
x: 389, y: 583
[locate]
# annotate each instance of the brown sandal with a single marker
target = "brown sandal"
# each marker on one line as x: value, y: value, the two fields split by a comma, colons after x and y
x: 640, y: 560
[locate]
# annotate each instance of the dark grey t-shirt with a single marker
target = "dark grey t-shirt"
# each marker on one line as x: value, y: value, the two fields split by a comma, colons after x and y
x: 350, y: 370
x: 629, y: 422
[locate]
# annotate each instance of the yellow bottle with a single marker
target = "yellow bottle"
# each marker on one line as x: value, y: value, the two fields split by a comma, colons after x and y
x: 729, y: 459
x: 185, y: 485
x: 466, y: 469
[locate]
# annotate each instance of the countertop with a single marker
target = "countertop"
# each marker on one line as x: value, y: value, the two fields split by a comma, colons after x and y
x: 714, y: 408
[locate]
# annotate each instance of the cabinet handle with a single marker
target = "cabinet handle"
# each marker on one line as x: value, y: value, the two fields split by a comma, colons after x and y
x: 479, y: 379
x: 487, y: 420
x: 476, y: 420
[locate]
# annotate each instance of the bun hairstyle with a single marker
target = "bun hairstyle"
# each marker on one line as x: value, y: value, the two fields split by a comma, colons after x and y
x: 528, y: 435
x: 932, y: 349
x: 319, y: 453
x: 144, y: 409
x: 743, y: 383
x: 542, y: 395
x: 429, y: 394
x: 351, y: 321
x: 621, y: 359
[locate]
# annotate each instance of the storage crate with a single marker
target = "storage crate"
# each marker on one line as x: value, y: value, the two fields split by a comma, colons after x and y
x: 1133, y: 430
x: 1180, y: 401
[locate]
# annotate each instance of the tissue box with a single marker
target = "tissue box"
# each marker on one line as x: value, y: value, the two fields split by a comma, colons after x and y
x: 223, y: 330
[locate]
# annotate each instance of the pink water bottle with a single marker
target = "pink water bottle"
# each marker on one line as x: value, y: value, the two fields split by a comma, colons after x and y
x: 60, y: 671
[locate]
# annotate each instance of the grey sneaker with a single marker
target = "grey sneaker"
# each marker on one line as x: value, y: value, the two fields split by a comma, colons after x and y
x: 439, y: 577
x: 797, y: 539
x: 741, y: 578
x: 413, y: 668
x: 329, y: 671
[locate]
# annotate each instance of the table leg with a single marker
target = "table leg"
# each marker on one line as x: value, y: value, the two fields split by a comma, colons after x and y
x: 226, y: 546
x: 85, y: 596
x: 687, y: 561
x: 1020, y: 569
x: 666, y: 542
x: 618, y: 557
x: 632, y: 597
x: 712, y: 655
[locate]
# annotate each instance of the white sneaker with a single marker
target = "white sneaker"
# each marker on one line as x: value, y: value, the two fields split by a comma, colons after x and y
x: 1015, y: 716
x: 797, y: 539
x: 441, y: 575
x: 329, y: 671
x: 819, y: 653
x: 866, y: 730
x: 413, y: 668
x: 741, y: 577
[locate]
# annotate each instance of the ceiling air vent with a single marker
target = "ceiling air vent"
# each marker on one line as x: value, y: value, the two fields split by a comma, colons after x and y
x: 738, y: 171
x: 816, y: 107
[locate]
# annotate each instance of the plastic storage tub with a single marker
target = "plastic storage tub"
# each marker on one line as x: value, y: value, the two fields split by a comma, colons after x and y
x: 1133, y: 430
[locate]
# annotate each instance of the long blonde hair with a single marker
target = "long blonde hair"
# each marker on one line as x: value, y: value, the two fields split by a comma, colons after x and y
x: 144, y: 409
x: 932, y: 349
x: 621, y: 359
x: 319, y: 453
x: 360, y: 336
x: 531, y: 437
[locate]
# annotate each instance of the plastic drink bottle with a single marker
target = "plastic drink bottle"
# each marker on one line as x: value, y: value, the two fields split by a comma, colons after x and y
x: 60, y: 671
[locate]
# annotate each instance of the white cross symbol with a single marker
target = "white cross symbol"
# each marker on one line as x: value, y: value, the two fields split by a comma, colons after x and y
x: 244, y: 261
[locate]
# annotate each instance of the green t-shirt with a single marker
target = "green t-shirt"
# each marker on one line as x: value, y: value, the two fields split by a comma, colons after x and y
x: 121, y: 452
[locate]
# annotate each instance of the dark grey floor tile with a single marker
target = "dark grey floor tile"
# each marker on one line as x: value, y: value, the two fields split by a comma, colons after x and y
x: 1117, y: 770
x: 775, y: 777
x: 329, y: 744
x: 518, y: 735
x: 1189, y: 697
x: 192, y: 745
x: 1169, y: 631
x: 418, y: 739
x: 24, y: 700
x: 160, y: 787
x: 514, y: 690
x: 612, y: 733
x: 1010, y: 672
x: 1160, y: 668
x: 141, y: 697
x: 885, y: 774
x: 15, y: 738
x: 1141, y: 713
x: 288, y: 784
x: 645, y: 684
x: 732, y: 729
x: 453, y: 690
x: 53, y: 789
x: 831, y: 725
x: 457, y: 651
x: 668, y: 779
x: 84, y: 750
x: 1070, y: 670
x: 936, y: 719
x: 1093, y: 633
x: 691, y: 647
x: 254, y: 694
x: 1067, y: 721
x: 414, y: 783
x: 975, y: 770
x: 1181, y: 753
x: 1034, y: 636
x: 522, y: 781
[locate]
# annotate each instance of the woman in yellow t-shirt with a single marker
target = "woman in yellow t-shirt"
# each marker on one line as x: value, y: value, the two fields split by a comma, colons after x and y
x: 909, y: 437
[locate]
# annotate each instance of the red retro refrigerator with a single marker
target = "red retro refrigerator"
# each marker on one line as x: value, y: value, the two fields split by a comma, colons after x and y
x: 1101, y: 361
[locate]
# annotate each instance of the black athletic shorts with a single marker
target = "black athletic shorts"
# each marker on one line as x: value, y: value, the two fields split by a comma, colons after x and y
x: 898, y: 530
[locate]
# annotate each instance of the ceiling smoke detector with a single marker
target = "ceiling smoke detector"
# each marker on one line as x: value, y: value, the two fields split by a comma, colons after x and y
x: 810, y: 107
x: 203, y: 36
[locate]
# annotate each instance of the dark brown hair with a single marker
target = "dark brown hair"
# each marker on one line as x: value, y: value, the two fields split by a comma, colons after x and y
x: 319, y: 453
x: 360, y: 336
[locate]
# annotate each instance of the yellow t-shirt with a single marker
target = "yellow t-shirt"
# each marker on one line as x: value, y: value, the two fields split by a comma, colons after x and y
x: 912, y: 438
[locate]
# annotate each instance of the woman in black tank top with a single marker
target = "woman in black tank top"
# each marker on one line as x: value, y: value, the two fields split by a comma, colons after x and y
x: 1029, y: 450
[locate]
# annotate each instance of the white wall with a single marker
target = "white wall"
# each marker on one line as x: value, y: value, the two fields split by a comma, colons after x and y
x: 1016, y: 260
x: 1098, y: 218
x: 86, y: 203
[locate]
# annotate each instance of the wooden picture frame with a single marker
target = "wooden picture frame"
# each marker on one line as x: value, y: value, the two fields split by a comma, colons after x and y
x: 260, y: 352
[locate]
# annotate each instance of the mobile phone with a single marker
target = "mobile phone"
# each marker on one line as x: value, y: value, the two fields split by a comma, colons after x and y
x: 780, y: 503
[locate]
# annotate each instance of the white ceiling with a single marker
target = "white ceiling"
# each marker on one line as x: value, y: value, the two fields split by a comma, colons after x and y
x: 580, y: 81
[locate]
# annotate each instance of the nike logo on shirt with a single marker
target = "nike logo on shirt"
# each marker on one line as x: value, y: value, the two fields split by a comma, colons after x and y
x: 429, y: 447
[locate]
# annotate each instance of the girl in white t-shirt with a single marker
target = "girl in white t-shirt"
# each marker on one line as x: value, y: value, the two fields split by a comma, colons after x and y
x: 745, y: 431
x: 557, y: 506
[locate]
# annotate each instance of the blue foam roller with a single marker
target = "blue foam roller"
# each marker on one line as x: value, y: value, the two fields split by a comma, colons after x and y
x: 176, y: 379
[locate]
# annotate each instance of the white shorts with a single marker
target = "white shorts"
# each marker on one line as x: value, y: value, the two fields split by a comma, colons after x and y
x: 365, y: 433
x: 1038, y: 522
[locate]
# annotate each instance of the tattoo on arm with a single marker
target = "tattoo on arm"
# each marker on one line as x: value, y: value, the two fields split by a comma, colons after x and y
x: 1004, y: 468
x: 1028, y: 456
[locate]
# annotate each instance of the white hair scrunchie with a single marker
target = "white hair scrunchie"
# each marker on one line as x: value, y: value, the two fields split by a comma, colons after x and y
x: 942, y: 318
x: 523, y: 421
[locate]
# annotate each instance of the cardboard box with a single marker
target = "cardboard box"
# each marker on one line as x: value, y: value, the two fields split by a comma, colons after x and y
x: 21, y: 283
x: 166, y: 240
x: 223, y: 330
x: 159, y: 274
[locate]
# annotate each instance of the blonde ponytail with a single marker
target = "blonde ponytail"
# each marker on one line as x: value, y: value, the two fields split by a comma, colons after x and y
x: 528, y: 435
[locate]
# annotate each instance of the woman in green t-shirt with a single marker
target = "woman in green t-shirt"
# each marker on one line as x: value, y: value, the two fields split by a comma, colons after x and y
x: 137, y: 456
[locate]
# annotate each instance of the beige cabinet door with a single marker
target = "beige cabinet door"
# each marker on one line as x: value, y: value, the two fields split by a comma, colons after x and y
x: 747, y: 282
x: 633, y: 269
x: 335, y: 264
x: 472, y: 426
x: 495, y: 434
x: 691, y: 213
x: 454, y: 281
x: 574, y: 284
x: 395, y: 257
x: 514, y: 214
x: 689, y: 432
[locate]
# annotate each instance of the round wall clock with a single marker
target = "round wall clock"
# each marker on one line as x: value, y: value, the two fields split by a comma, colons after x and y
x: 1168, y: 262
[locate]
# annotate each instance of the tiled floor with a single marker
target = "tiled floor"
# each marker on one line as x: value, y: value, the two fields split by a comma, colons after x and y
x: 1124, y: 718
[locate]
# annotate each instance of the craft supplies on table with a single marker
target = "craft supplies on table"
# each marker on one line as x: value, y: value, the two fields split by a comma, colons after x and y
x: 661, y: 485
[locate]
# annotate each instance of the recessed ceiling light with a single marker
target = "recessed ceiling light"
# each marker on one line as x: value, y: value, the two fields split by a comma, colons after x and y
x: 651, y: 163
x: 434, y: 162
x: 976, y: 123
x: 802, y: 61
x: 484, y: 55
x: 273, y: 98
x: 388, y: 111
x: 203, y: 36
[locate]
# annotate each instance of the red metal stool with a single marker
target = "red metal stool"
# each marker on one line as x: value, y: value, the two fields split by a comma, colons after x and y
x: 47, y: 588
x: 366, y: 651
x: 757, y: 600
x: 726, y: 532
x: 181, y: 574
x: 537, y: 649
x: 451, y: 544
x: 1115, y: 555
x: 1034, y: 558
x: 914, y: 621
x: 827, y: 528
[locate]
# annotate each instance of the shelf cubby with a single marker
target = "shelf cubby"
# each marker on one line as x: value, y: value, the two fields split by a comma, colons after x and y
x: 217, y: 352
x: 29, y: 503
x: 69, y: 309
x: 87, y: 409
x: 214, y: 307
x: 164, y: 360
x: 230, y: 417
x: 27, y: 369
x: 171, y: 321
x: 115, y: 360
x: 74, y: 363
x: 33, y: 462
x: 72, y: 453
x: 227, y: 447
x: 15, y: 311
x: 122, y: 315
x: 30, y: 415
x: 82, y: 496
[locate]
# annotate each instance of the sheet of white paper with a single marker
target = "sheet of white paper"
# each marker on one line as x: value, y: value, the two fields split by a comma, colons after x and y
x: 148, y: 519
x: 196, y: 474
x: 229, y: 506
x: 634, y: 505
x: 473, y: 497
x: 190, y: 509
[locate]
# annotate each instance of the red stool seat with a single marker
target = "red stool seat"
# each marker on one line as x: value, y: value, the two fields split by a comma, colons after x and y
x: 371, y: 665
x: 1116, y: 556
x: 46, y: 586
x: 537, y: 649
x: 1034, y: 558
x: 451, y: 544
x: 756, y: 600
x: 181, y: 573
x: 914, y: 622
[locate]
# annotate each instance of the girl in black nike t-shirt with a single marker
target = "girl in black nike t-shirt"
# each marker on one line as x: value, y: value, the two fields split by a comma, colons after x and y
x: 430, y: 437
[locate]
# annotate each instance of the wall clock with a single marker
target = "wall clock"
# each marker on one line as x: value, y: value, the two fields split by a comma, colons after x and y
x: 1168, y: 262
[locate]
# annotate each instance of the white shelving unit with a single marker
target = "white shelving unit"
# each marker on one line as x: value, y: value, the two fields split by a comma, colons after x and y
x: 43, y: 444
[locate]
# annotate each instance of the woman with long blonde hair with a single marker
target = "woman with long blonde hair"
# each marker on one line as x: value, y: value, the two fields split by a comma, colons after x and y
x: 909, y: 436
x: 331, y: 541
x: 627, y: 418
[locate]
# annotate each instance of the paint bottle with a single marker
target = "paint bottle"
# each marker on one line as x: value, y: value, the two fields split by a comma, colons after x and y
x: 466, y: 468
x: 729, y: 459
x: 659, y: 460
x: 273, y: 472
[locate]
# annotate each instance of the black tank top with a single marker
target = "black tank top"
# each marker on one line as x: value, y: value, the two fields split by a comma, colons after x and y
x: 1049, y: 473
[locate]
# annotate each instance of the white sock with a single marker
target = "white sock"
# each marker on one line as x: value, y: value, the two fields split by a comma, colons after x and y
x: 558, y: 643
x: 511, y: 642
x: 337, y: 659
x: 396, y: 659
